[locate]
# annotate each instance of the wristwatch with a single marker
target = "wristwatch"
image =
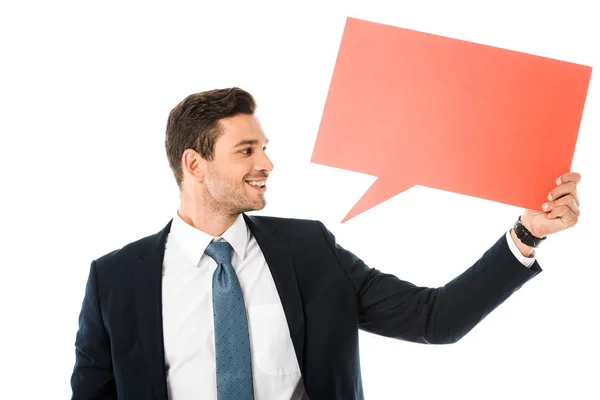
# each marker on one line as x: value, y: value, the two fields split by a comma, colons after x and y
x: 525, y: 236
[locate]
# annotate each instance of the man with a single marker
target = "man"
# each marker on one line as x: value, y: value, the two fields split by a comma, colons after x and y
x: 222, y: 305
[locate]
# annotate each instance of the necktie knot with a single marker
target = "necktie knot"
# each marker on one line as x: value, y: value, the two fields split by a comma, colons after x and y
x: 220, y: 252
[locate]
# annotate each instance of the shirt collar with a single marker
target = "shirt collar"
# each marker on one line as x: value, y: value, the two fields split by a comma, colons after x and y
x: 193, y: 241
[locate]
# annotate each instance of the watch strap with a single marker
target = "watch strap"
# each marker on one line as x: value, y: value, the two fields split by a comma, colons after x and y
x: 525, y: 236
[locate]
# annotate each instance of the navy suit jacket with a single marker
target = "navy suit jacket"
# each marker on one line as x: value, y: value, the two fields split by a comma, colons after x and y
x: 327, y: 293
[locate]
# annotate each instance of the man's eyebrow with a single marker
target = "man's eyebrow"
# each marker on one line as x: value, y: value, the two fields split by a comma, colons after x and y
x: 248, y: 142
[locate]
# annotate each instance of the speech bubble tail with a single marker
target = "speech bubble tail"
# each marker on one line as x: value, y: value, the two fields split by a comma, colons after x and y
x: 382, y: 189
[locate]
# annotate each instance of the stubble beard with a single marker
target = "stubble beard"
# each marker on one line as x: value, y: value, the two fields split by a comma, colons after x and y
x: 230, y: 199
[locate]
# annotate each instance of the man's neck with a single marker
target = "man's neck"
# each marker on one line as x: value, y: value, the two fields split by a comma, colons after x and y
x: 206, y: 221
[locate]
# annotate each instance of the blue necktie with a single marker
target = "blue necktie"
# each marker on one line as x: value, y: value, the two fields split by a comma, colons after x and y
x: 232, y: 343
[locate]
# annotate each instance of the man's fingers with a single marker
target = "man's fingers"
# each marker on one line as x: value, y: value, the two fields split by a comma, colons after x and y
x: 568, y: 177
x: 564, y: 213
x: 568, y: 201
x: 559, y: 191
x: 575, y: 196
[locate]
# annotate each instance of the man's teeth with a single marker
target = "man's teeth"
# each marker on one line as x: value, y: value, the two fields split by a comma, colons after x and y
x: 257, y: 183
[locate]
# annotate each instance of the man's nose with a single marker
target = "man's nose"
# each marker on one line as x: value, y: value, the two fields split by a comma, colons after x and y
x: 263, y: 163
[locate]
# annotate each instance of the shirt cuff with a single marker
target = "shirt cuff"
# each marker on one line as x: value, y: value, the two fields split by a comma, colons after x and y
x: 526, y: 261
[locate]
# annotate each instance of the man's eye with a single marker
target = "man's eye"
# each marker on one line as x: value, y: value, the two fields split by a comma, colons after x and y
x: 247, y: 151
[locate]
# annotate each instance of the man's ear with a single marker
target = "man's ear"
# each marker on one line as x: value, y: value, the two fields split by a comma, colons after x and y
x: 193, y: 165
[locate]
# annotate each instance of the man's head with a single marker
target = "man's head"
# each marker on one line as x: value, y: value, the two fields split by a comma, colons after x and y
x: 216, y: 149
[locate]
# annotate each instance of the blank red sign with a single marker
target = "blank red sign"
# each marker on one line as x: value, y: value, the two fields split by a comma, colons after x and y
x: 419, y: 109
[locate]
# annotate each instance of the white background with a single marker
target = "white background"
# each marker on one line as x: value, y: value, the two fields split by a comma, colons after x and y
x: 85, y: 90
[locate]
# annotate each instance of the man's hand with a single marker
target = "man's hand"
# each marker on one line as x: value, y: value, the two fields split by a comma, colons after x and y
x: 561, y: 211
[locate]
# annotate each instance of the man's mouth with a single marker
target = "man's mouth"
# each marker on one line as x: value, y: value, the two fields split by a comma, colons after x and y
x: 259, y: 184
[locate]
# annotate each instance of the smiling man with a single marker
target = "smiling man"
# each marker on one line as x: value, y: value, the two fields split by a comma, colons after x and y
x: 229, y: 174
x: 222, y: 305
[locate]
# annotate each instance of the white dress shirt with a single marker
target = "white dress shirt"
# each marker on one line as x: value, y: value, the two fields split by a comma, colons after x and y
x: 188, y: 326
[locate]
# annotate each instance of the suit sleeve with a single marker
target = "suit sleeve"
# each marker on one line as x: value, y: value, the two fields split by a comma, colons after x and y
x: 391, y: 307
x: 92, y: 376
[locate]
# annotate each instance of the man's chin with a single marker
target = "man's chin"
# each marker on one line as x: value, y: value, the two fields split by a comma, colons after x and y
x: 257, y: 206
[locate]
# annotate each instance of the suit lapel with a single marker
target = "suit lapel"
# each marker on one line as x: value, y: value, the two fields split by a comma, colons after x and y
x: 277, y: 254
x: 147, y: 284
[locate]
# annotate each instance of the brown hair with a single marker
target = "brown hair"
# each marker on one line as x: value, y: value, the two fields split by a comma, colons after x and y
x: 194, y: 123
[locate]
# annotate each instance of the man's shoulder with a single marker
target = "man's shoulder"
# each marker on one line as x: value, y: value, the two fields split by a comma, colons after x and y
x: 276, y: 222
x: 134, y: 250
x: 127, y: 251
x: 292, y: 227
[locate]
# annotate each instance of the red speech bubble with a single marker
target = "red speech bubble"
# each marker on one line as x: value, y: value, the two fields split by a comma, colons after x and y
x: 419, y: 109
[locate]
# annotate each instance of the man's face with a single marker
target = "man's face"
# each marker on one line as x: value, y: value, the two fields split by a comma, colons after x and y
x: 236, y: 177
